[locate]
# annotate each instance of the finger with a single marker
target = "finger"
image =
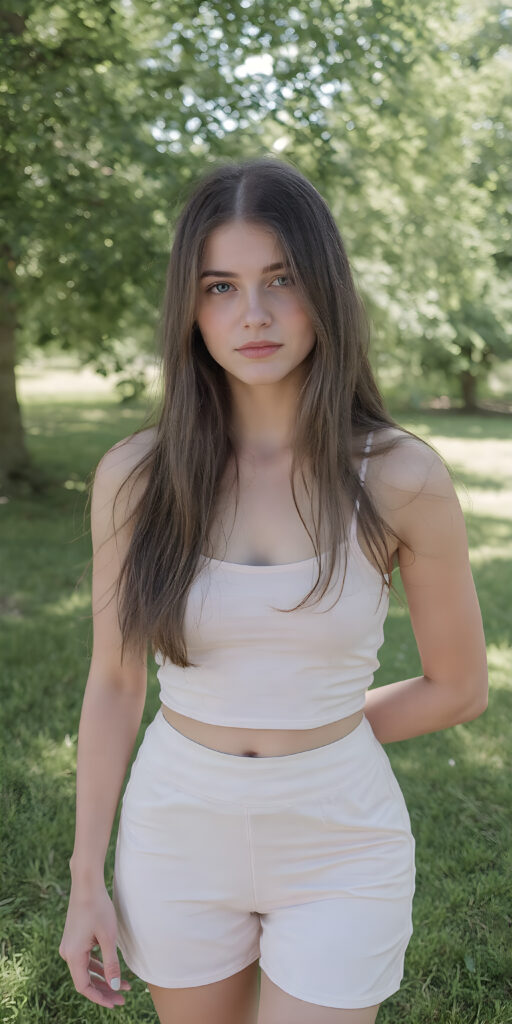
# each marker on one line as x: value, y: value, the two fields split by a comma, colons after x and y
x: 111, y: 968
x: 102, y: 995
x: 96, y: 991
x: 104, y: 988
x: 97, y: 966
x: 79, y: 970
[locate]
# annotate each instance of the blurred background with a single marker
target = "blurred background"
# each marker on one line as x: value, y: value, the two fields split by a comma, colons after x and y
x: 400, y: 114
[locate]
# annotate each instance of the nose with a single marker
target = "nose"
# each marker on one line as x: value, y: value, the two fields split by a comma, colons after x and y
x: 255, y: 311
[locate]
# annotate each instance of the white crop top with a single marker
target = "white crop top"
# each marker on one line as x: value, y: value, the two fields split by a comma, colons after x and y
x: 258, y: 668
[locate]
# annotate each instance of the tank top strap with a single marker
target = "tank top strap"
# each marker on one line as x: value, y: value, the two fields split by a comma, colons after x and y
x: 362, y: 477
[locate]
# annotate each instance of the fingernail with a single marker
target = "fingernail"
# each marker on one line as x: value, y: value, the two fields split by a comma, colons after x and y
x: 115, y: 984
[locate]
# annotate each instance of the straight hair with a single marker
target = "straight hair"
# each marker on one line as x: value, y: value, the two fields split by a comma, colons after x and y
x: 338, y: 404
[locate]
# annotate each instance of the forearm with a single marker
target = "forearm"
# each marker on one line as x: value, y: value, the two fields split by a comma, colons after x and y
x: 109, y: 723
x: 413, y: 707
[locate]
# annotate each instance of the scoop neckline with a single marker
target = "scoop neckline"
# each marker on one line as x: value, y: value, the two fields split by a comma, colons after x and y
x: 353, y: 546
x: 242, y: 566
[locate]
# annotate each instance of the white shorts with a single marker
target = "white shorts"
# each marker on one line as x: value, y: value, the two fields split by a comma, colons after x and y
x: 305, y: 861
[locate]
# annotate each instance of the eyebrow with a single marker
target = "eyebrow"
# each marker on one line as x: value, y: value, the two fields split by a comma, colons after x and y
x: 231, y: 273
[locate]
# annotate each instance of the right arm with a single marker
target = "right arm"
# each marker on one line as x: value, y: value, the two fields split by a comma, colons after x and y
x: 110, y: 718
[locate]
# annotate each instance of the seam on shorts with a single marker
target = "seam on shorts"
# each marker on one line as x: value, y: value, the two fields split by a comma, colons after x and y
x: 190, y: 980
x: 358, y: 1004
x: 251, y: 859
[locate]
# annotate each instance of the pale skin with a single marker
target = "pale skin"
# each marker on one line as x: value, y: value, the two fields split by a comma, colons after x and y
x: 414, y: 494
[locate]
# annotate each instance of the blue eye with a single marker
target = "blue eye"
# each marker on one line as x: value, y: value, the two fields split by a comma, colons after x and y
x: 218, y: 284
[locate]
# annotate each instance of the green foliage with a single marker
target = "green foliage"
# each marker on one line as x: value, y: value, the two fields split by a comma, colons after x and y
x: 400, y: 116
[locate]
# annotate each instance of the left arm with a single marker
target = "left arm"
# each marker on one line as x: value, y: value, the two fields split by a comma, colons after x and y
x: 443, y: 605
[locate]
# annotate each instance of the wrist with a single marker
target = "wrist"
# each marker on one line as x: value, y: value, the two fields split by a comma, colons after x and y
x: 86, y: 872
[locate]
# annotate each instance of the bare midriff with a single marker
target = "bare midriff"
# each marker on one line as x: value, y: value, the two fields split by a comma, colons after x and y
x: 260, y: 742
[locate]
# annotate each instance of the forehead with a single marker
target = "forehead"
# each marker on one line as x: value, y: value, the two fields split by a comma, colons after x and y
x: 247, y: 241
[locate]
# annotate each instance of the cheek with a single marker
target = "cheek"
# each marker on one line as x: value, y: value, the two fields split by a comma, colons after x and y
x: 213, y: 331
x: 302, y: 324
x: 211, y: 317
x: 297, y: 313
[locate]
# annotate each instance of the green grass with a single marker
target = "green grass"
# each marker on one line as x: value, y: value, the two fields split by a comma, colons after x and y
x: 457, y: 783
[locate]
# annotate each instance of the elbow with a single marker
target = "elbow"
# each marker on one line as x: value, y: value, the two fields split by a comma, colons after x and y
x: 475, y: 708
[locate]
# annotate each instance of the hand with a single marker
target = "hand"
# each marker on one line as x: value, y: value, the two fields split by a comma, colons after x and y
x: 91, y: 921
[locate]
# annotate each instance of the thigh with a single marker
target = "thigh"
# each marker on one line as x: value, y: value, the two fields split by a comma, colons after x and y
x: 279, y: 1007
x: 335, y: 878
x: 182, y: 883
x: 343, y: 953
x: 233, y: 1000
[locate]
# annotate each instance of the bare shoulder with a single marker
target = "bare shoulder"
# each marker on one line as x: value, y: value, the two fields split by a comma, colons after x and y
x: 124, y: 455
x: 117, y: 477
x: 413, y: 491
x: 118, y: 462
x: 408, y: 469
x: 415, y: 494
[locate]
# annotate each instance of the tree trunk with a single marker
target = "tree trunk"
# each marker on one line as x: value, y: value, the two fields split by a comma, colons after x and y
x: 468, y: 384
x: 14, y: 458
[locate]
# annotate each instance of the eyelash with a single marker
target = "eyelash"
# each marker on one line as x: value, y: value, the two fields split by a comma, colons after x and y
x: 286, y: 277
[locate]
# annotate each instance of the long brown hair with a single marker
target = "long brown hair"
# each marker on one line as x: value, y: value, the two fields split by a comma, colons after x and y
x: 339, y: 401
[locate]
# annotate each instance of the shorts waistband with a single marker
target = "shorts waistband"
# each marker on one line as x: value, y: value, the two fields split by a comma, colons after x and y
x: 220, y: 776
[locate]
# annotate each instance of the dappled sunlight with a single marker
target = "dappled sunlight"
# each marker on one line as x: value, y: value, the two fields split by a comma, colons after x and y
x: 86, y: 420
x: 464, y: 428
x: 499, y: 658
x: 465, y: 481
x: 473, y: 748
x: 52, y: 758
x: 454, y: 753
x: 461, y: 751
x: 69, y: 603
x: 489, y: 536
x: 92, y: 415
x: 489, y: 502
x: 74, y: 485
x: 15, y: 977
x: 481, y: 553
x: 489, y: 456
x: 54, y: 381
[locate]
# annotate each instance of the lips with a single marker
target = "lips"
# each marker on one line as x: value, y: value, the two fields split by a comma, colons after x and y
x: 259, y: 344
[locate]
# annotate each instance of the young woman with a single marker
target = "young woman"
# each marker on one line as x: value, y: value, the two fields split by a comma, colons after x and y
x: 251, y: 537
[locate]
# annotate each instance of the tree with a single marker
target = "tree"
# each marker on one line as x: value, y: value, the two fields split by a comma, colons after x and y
x: 424, y: 222
x: 109, y: 110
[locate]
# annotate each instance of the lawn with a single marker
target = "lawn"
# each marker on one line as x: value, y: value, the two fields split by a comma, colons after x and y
x: 457, y: 783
